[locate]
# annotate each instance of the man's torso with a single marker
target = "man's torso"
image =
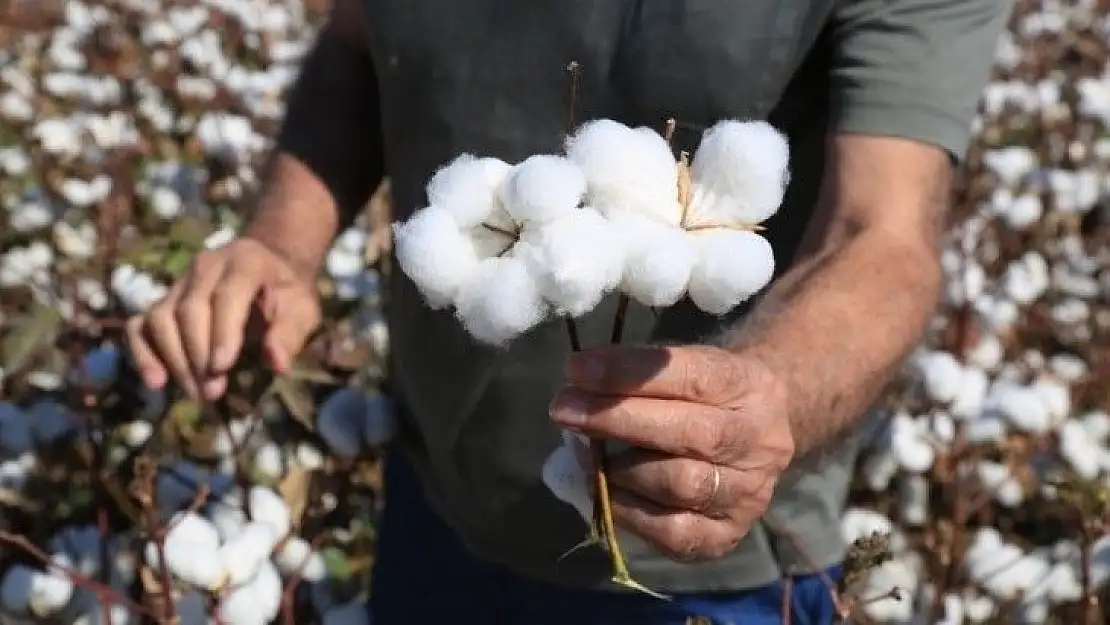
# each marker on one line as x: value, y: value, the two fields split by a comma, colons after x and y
x: 489, y: 77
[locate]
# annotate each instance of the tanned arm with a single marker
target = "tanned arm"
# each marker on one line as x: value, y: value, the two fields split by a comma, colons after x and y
x: 837, y: 325
x: 328, y: 158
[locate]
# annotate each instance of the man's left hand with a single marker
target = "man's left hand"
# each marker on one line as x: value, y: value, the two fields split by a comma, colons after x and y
x: 710, y: 436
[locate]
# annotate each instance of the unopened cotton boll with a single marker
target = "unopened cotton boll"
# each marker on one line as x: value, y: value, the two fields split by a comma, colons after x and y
x: 658, y: 259
x: 435, y: 254
x: 241, y: 556
x: 467, y: 187
x: 268, y: 507
x: 296, y: 557
x: 740, y: 172
x: 543, y: 188
x: 732, y: 266
x: 576, y: 260
x: 501, y: 301
x: 564, y: 476
x: 627, y: 170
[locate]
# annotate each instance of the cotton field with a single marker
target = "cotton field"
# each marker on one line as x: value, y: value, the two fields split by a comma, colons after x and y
x: 132, y: 132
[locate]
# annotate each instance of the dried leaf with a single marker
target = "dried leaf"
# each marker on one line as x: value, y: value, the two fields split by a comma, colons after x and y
x: 304, y: 371
x: 297, y: 400
x: 28, y: 336
x: 294, y: 488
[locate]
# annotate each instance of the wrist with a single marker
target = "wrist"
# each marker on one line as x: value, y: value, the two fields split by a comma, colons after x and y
x: 303, y: 264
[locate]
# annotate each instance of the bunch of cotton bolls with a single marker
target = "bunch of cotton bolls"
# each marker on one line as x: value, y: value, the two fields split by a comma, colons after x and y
x: 243, y: 561
x: 508, y: 245
x: 51, y: 594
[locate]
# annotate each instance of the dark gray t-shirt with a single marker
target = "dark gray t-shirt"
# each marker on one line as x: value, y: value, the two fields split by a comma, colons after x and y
x: 488, y: 77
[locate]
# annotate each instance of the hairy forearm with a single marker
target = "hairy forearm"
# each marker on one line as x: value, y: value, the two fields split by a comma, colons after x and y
x: 328, y: 158
x: 836, y: 327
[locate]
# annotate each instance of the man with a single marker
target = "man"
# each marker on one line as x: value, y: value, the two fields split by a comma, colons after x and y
x: 876, y: 97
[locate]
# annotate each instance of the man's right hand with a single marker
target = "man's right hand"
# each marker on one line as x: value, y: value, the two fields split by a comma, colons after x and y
x: 195, y: 334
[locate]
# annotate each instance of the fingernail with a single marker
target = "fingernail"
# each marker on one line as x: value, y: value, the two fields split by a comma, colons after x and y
x: 221, y: 358
x: 569, y: 409
x: 584, y: 368
x: 213, y: 388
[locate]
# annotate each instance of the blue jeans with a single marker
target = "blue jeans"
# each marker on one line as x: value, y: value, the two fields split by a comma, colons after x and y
x: 424, y: 575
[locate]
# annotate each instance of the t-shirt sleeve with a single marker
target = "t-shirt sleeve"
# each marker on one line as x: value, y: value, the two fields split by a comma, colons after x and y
x: 913, y: 68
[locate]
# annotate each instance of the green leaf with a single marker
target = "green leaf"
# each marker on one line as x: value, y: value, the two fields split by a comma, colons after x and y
x: 28, y: 335
x: 335, y: 561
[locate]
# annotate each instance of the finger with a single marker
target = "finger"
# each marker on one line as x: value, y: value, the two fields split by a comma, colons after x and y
x: 146, y: 361
x: 165, y: 338
x: 231, y: 305
x: 694, y: 373
x: 291, y: 316
x: 194, y: 315
x: 675, y: 482
x: 675, y: 427
x: 679, y: 534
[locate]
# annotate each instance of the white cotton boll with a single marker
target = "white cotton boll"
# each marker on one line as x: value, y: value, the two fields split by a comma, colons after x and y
x: 75, y: 242
x: 914, y: 500
x: 16, y: 108
x: 228, y: 520
x: 194, y: 563
x: 627, y: 170
x: 576, y: 260
x: 944, y: 427
x: 942, y: 375
x: 972, y: 393
x: 191, y: 527
x: 953, y: 613
x: 30, y: 216
x: 296, y: 557
x: 1079, y: 450
x: 987, y: 353
x: 1021, y: 406
x: 241, y: 556
x: 658, y: 259
x: 732, y: 266
x: 50, y: 592
x: 466, y: 188
x: 269, y: 461
x: 879, y: 469
x: 1027, y: 278
x: 740, y: 172
x: 564, y: 476
x: 1025, y: 211
x: 267, y: 588
x: 1010, y: 164
x: 268, y: 507
x: 435, y: 254
x: 543, y: 188
x: 240, y: 607
x: 353, y: 613
x: 1096, y: 424
x: 1068, y: 368
x: 501, y: 302
x: 308, y: 456
x: 343, y: 263
x: 913, y: 452
x: 858, y: 523
x: 901, y: 573
x: 979, y: 608
x: 15, y: 430
x: 1055, y: 395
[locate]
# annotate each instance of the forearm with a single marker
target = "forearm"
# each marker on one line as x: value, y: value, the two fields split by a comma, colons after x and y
x: 328, y: 157
x: 837, y: 325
